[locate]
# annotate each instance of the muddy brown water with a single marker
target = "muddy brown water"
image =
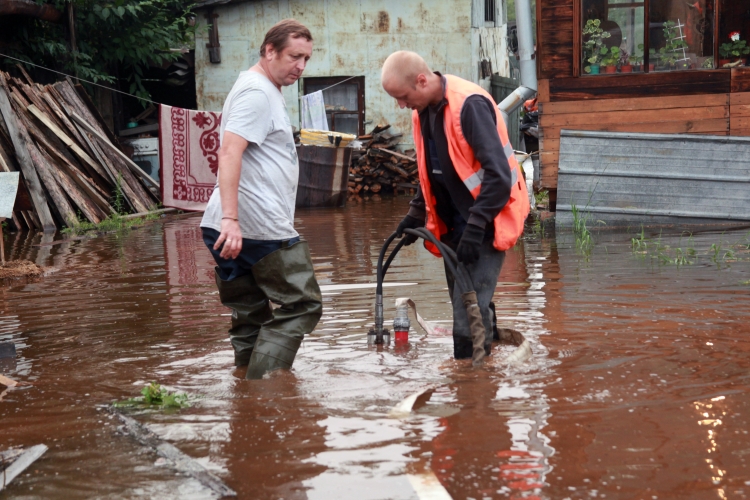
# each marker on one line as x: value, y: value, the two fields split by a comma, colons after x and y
x: 638, y: 385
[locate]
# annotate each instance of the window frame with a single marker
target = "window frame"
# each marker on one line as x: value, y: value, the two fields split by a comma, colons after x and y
x: 578, y: 38
x: 333, y: 80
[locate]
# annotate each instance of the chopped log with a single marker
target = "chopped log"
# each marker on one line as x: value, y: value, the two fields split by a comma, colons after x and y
x: 21, y: 140
x: 176, y: 458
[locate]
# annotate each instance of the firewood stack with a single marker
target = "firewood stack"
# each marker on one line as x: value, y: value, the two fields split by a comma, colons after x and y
x: 378, y: 168
x: 70, y: 166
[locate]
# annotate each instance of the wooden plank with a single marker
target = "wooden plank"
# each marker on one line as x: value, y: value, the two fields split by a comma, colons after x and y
x: 21, y: 139
x: 741, y: 122
x: 87, y: 208
x: 143, y: 175
x: 646, y: 116
x: 62, y: 160
x: 741, y: 79
x: 56, y: 193
x: 739, y: 99
x: 80, y: 153
x: 94, y: 111
x: 177, y: 459
x: 677, y: 127
x: 668, y: 83
x: 632, y: 104
x: 74, y: 132
x: 740, y: 110
x: 543, y: 91
x: 28, y: 457
x: 741, y: 132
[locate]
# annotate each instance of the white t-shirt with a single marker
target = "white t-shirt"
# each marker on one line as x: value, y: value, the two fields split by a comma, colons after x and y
x: 256, y: 111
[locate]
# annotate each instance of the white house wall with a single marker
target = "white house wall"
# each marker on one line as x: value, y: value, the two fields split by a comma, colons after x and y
x: 351, y: 38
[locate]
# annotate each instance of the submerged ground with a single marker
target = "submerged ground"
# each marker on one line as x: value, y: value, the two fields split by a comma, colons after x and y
x: 638, y: 386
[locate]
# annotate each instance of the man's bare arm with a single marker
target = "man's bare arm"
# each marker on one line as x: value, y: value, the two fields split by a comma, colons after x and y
x: 230, y: 167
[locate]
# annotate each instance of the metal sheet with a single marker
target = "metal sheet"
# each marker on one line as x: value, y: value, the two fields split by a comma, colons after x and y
x: 629, y: 179
x: 323, y: 176
x: 8, y: 191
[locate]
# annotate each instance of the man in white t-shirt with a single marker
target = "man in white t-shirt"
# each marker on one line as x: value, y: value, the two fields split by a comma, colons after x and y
x: 249, y: 222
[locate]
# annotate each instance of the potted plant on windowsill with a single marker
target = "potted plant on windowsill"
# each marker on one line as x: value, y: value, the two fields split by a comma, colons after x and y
x: 609, y: 62
x: 593, y: 46
x: 637, y: 62
x: 626, y: 63
x: 731, y: 53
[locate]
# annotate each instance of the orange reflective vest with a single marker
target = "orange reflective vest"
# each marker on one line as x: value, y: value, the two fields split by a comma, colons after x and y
x: 509, y: 222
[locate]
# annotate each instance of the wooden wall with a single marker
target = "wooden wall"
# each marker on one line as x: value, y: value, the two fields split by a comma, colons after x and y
x: 715, y: 102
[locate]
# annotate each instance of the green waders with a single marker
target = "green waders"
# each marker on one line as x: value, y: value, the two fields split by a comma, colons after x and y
x: 287, y: 279
x: 250, y: 309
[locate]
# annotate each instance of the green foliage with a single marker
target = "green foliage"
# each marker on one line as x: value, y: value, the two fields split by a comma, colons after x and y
x: 672, y: 50
x: 155, y: 395
x: 734, y: 49
x: 584, y: 241
x: 593, y: 46
x: 118, y: 37
x: 542, y: 197
x: 612, y: 58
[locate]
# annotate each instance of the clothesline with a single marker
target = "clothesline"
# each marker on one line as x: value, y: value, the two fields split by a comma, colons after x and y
x: 321, y: 90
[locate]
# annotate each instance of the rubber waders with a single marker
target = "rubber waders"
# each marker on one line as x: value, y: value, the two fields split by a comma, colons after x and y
x: 476, y: 327
x: 250, y: 309
x: 286, y: 277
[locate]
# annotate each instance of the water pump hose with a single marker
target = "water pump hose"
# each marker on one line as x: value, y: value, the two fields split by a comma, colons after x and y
x: 462, y: 281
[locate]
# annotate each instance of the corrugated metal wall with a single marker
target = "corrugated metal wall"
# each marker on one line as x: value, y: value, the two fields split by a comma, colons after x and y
x: 352, y: 38
x: 629, y: 179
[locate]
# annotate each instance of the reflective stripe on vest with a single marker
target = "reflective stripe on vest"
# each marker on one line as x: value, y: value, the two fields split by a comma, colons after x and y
x: 478, y: 176
x: 508, y: 224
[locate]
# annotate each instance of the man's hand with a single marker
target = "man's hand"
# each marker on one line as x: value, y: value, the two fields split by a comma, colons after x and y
x: 231, y: 237
x: 468, y: 248
x: 409, y: 222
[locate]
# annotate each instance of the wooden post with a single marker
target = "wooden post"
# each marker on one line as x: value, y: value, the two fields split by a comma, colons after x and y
x: 21, y: 139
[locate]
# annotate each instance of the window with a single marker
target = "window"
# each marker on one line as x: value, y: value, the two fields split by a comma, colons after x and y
x: 616, y: 40
x: 344, y: 101
x: 489, y: 11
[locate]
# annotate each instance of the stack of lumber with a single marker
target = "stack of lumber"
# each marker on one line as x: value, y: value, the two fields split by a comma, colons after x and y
x: 70, y: 165
x: 377, y: 168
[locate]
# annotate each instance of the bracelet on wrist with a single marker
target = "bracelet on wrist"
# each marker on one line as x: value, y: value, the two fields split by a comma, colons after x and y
x: 230, y: 218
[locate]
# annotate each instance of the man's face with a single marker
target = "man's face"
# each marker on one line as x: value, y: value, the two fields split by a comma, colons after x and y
x: 286, y: 67
x: 406, y: 95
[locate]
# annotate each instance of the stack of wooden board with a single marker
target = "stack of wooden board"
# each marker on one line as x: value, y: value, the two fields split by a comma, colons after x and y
x: 378, y: 168
x: 71, y: 167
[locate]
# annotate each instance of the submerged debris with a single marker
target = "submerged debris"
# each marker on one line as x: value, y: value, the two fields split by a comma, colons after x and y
x: 19, y: 269
x: 156, y: 395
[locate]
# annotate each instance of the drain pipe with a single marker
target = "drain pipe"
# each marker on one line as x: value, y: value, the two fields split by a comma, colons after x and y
x: 528, y: 88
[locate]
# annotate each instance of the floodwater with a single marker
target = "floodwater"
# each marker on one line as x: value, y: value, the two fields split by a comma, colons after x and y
x: 637, y: 388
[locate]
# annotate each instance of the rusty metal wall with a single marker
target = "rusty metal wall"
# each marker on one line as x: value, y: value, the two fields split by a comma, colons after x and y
x: 629, y: 179
x: 351, y: 38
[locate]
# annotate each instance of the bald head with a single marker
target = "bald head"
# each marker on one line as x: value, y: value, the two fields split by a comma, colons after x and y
x: 407, y: 78
x: 403, y: 67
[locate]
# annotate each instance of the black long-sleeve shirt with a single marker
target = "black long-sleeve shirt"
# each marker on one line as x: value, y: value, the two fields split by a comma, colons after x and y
x: 455, y: 204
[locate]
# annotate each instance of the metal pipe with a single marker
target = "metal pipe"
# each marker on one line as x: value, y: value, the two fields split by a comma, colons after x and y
x: 528, y: 88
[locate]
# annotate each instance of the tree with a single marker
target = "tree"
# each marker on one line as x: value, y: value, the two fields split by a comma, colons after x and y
x: 114, y: 39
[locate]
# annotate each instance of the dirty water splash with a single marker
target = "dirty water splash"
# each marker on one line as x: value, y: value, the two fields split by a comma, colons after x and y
x: 638, y: 379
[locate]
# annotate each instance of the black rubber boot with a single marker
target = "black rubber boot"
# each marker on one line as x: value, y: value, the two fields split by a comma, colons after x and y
x: 495, y: 333
x: 286, y: 277
x: 250, y: 309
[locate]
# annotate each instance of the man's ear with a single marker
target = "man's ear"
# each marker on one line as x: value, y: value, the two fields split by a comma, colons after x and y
x: 421, y: 80
x: 270, y: 52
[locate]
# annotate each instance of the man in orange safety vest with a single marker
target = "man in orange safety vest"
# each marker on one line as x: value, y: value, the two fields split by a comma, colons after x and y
x: 472, y: 196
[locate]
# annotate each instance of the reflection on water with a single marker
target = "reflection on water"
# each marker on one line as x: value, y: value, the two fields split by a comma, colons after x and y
x: 637, y: 387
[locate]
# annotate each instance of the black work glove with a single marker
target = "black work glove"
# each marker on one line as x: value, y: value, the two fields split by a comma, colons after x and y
x: 409, y: 222
x: 468, y: 248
